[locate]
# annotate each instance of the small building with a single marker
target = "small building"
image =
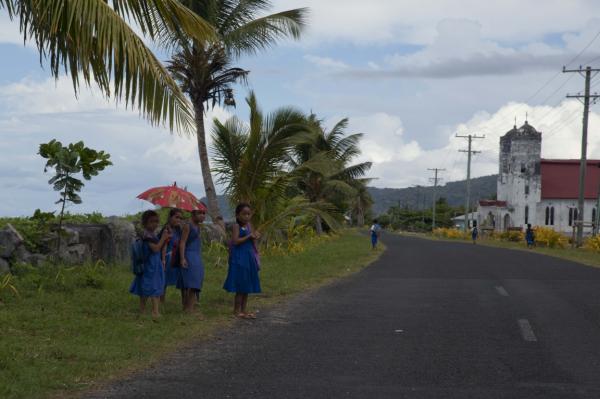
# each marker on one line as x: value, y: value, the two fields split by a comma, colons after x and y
x: 459, y: 221
x: 536, y: 191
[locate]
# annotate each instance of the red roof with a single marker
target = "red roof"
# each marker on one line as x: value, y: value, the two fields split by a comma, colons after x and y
x: 500, y: 204
x: 560, y: 179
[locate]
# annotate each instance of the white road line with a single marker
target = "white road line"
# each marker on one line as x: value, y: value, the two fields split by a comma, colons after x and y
x: 501, y: 291
x: 527, y: 331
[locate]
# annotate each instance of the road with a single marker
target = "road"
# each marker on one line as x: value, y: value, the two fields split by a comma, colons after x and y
x: 429, y: 319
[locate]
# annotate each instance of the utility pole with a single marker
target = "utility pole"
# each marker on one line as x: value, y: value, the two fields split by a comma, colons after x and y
x: 583, y: 162
x: 435, y: 181
x: 469, y: 152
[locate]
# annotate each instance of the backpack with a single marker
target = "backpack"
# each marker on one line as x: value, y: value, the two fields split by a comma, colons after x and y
x: 137, y: 257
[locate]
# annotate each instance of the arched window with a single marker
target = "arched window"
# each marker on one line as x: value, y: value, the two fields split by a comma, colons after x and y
x: 526, y: 214
x: 547, y: 219
x: 552, y: 216
x: 570, y: 216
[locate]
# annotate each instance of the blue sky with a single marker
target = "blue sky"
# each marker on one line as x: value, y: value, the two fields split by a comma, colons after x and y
x: 409, y: 75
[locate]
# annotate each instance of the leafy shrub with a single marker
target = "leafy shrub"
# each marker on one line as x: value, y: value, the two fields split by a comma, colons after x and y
x: 592, y: 243
x: 454, y: 234
x: 512, y: 236
x: 546, y: 237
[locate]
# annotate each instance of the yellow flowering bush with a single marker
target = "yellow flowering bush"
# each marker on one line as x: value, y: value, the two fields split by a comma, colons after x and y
x: 453, y: 234
x: 592, y: 243
x: 512, y: 235
x: 546, y: 237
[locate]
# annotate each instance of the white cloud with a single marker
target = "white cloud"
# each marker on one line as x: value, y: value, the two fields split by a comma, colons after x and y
x: 414, y: 21
x: 397, y: 163
x: 326, y: 62
x: 459, y: 49
x: 9, y: 30
x: 143, y: 156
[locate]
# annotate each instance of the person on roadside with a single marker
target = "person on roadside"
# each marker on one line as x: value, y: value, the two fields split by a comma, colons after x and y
x: 375, y: 232
x: 170, y: 254
x: 151, y: 282
x: 474, y: 233
x: 242, y: 275
x: 530, y: 236
x: 191, y: 274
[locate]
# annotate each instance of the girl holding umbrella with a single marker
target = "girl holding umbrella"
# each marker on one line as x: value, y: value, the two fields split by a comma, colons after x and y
x: 185, y: 251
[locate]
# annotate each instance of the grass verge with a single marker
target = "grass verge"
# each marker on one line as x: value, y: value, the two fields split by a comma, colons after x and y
x: 579, y: 255
x: 71, y: 328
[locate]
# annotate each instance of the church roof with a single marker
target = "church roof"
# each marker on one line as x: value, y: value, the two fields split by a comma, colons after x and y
x: 560, y: 178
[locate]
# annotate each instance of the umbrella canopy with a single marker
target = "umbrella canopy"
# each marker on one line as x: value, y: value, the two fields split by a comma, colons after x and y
x: 172, y: 197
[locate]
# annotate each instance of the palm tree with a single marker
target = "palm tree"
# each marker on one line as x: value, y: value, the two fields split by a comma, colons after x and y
x: 251, y: 162
x: 362, y: 201
x: 323, y: 164
x: 93, y: 40
x: 203, y: 67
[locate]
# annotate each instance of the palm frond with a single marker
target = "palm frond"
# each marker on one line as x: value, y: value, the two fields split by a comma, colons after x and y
x: 264, y: 32
x: 108, y: 51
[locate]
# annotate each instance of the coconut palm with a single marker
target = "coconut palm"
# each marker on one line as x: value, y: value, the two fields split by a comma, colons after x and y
x: 361, y: 202
x: 250, y: 160
x: 204, y: 68
x: 323, y: 164
x: 94, y: 41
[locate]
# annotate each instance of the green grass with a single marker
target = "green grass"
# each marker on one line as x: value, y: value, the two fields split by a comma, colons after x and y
x: 75, y: 327
x: 579, y: 255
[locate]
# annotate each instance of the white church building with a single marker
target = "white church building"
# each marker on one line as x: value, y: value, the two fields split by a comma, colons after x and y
x: 536, y: 191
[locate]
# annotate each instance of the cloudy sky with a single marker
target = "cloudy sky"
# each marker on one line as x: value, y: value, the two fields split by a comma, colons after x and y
x: 409, y: 74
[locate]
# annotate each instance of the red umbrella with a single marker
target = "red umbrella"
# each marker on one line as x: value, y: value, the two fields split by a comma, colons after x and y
x: 172, y: 197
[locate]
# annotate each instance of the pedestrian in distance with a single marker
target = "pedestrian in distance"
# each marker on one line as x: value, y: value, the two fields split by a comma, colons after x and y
x: 149, y: 282
x: 474, y: 233
x: 375, y: 232
x: 191, y: 274
x: 242, y: 275
x: 530, y: 236
x: 170, y: 253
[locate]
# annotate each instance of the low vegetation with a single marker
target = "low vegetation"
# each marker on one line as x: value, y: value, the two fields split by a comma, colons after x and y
x: 66, y: 328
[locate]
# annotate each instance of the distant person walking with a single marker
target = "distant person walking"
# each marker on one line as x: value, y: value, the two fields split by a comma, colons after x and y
x: 375, y: 231
x: 242, y: 276
x: 474, y: 233
x: 530, y: 236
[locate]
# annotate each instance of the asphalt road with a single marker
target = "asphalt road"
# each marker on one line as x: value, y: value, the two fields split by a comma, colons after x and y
x: 428, y: 320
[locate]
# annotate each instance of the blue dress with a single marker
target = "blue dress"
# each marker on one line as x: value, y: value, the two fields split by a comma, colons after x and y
x: 172, y: 273
x: 193, y: 275
x: 242, y: 276
x: 152, y: 282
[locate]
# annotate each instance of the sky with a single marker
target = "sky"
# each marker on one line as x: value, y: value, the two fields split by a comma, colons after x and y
x: 410, y: 75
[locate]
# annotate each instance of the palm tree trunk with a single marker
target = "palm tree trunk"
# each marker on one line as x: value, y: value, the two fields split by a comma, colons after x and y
x: 209, y: 186
x: 319, y: 225
x: 360, y: 217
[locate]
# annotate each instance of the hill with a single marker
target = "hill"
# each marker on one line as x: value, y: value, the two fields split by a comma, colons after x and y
x: 421, y: 197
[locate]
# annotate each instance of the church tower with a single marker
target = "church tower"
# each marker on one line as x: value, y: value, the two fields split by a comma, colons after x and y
x: 519, y: 178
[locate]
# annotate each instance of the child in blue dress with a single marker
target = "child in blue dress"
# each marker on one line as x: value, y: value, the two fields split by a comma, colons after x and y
x: 375, y: 231
x: 530, y: 236
x: 242, y: 276
x: 191, y: 274
x: 151, y: 283
x: 170, y: 253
